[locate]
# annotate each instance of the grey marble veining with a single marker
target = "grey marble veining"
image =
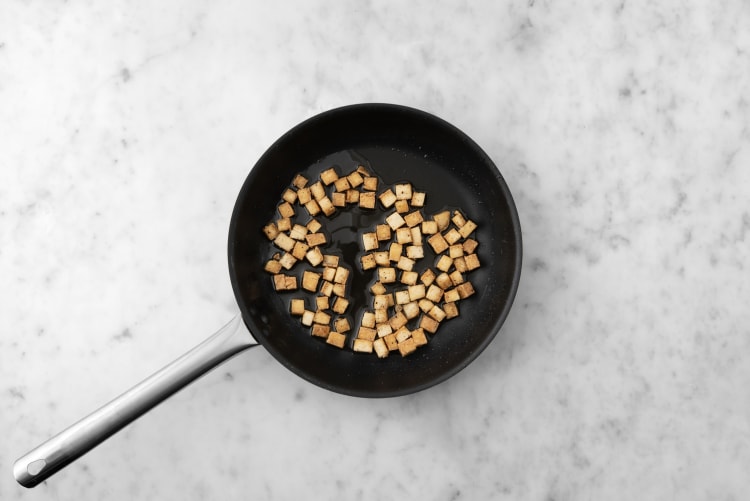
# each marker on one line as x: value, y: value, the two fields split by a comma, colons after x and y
x: 622, y: 129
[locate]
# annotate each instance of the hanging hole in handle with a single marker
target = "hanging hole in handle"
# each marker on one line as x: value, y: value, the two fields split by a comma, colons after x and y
x: 35, y: 467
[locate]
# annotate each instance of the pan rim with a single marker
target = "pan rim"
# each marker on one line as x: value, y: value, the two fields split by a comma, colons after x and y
x: 513, y: 284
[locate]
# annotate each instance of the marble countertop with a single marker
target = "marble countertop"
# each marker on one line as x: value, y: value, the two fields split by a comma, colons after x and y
x: 622, y: 130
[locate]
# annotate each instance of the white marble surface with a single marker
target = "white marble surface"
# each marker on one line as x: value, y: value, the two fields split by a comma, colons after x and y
x: 127, y: 128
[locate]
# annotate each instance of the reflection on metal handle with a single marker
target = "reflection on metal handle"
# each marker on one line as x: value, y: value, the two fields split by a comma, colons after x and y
x: 72, y: 443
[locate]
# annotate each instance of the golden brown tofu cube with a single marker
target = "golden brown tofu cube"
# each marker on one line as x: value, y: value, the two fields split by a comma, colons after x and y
x: 320, y: 330
x: 298, y: 232
x: 465, y: 290
x: 395, y: 221
x: 413, y: 218
x: 366, y: 333
x: 434, y: 293
x: 355, y: 179
x: 317, y: 190
x: 416, y: 235
x: 313, y: 225
x: 428, y: 277
x: 443, y: 219
x: 401, y: 206
x: 310, y: 281
x: 460, y: 264
x: 383, y: 329
x: 329, y: 274
x: 444, y: 263
x: 326, y: 288
x: 271, y: 231
x: 387, y: 198
x: 297, y: 307
x: 456, y: 250
x: 381, y: 316
x: 304, y: 196
x: 287, y: 261
x: 451, y: 296
x: 403, y: 191
x: 368, y: 262
x: 457, y: 278
x: 394, y: 251
x: 307, y: 318
x: 398, y: 320
x: 380, y: 301
x: 467, y: 229
x: 368, y: 319
x: 284, y: 224
x: 425, y: 305
x: 403, y: 235
x: 273, y: 266
x: 290, y: 283
x: 452, y: 236
x: 438, y: 243
x: 402, y: 334
x: 380, y: 348
x: 341, y: 324
x: 367, y: 200
x: 387, y: 275
x: 404, y: 263
x: 299, y: 181
x: 312, y: 207
x: 411, y: 310
x: 336, y: 339
x: 362, y: 345
x: 342, y: 185
x: 383, y: 232
x: 437, y: 313
x: 402, y: 297
x: 329, y: 176
x: 472, y: 262
x: 338, y: 199
x: 326, y: 206
x: 407, y: 347
x: 314, y: 256
x: 315, y: 239
x: 286, y: 210
x: 450, y: 309
x: 340, y: 305
x: 377, y: 289
x: 429, y: 324
x: 390, y: 342
x: 417, y: 199
x: 284, y: 242
x: 444, y: 281
x: 409, y: 277
x: 370, y: 241
x: 339, y: 289
x: 416, y: 292
x: 429, y: 227
x: 415, y: 252
x: 419, y: 337
x: 382, y: 258
x: 322, y: 317
x: 342, y: 274
x: 370, y: 183
x: 299, y: 250
x: 352, y: 196
x: 458, y: 219
x: 322, y: 302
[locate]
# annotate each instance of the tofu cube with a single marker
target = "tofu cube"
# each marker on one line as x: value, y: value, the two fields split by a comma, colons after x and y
x: 299, y: 181
x: 355, y: 179
x: 394, y: 251
x: 434, y: 293
x: 339, y: 290
x: 315, y: 239
x: 342, y: 274
x: 336, y: 339
x: 452, y: 236
x: 377, y: 289
x: 428, y: 277
x: 390, y: 342
x: 472, y: 262
x: 329, y: 274
x: 387, y: 275
x: 397, y: 321
x: 387, y: 198
x: 322, y: 302
x: 367, y: 200
x: 404, y: 263
x: 329, y: 176
x: 444, y: 263
x: 284, y: 224
x: 287, y: 261
x: 313, y: 225
x: 297, y: 307
x: 312, y: 208
x: 362, y: 345
x: 317, y: 190
x: 450, y: 309
x: 380, y: 301
x: 413, y: 218
x: 402, y: 297
x: 429, y: 324
x: 419, y: 337
x: 272, y: 266
x: 460, y: 264
x: 314, y: 256
x: 382, y: 258
x: 451, y: 296
x: 341, y: 185
x: 368, y: 319
x: 415, y: 252
x: 443, y: 219
x: 411, y: 310
x: 443, y: 281
x: 425, y: 305
x: 307, y: 318
x: 330, y: 261
x: 284, y: 242
x: 352, y: 196
x: 304, y: 196
x: 395, y: 221
x: 340, y: 305
x: 456, y: 277
x: 338, y: 199
x: 366, y: 333
x: 409, y: 277
x: 407, y: 347
x: 321, y: 317
x: 271, y: 231
x: 437, y: 313
x: 416, y: 292
x: 458, y: 219
x: 470, y: 246
x: 403, y: 191
x: 341, y: 324
x: 327, y: 206
x: 298, y: 232
x: 320, y: 330
x: 401, y: 206
x: 467, y: 229
x: 310, y: 281
x: 299, y: 250
x: 383, y: 232
x: 416, y: 235
x: 286, y: 209
x: 370, y: 241
x: 381, y: 349
x: 326, y: 288
x: 417, y: 199
x: 383, y: 329
x: 370, y: 183
x: 368, y: 262
x: 456, y: 250
x: 438, y: 243
x: 381, y: 316
x: 465, y: 290
x: 403, y: 235
x: 429, y: 227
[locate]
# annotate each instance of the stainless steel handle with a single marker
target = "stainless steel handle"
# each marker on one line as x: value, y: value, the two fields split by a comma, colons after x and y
x: 75, y: 441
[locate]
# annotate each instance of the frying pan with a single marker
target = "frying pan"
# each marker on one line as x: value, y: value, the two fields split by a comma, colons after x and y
x: 398, y: 144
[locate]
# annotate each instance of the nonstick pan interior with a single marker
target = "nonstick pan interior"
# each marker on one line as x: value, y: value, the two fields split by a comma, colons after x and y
x: 398, y: 144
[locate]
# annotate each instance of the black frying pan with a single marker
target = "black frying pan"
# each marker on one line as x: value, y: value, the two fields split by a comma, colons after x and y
x: 398, y: 144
